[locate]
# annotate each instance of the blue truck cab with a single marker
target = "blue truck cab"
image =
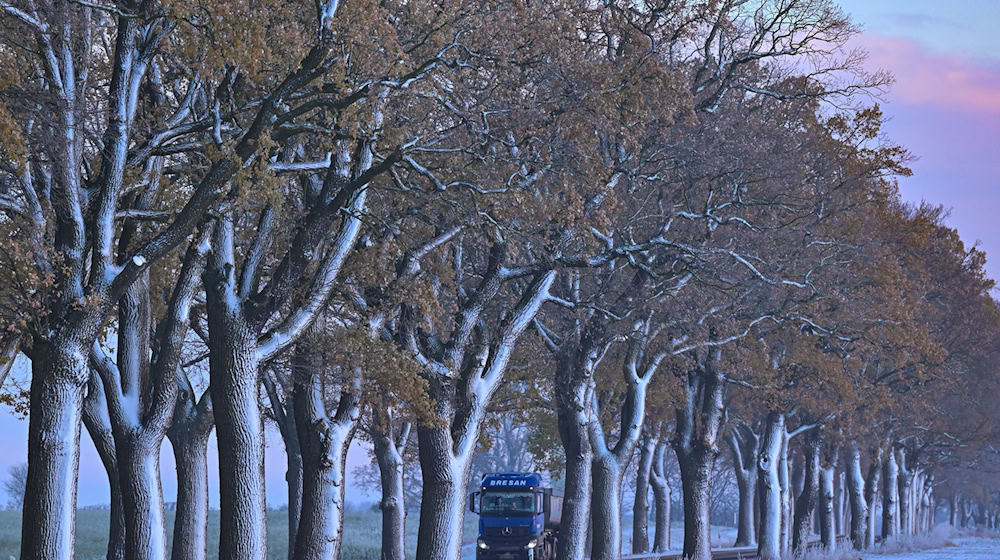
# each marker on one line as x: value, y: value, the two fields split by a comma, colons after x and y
x: 518, y: 518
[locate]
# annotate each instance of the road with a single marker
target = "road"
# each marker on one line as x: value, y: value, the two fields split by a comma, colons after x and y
x: 967, y: 549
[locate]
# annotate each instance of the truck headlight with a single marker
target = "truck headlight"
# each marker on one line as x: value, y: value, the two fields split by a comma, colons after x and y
x: 482, y: 544
x: 532, y: 543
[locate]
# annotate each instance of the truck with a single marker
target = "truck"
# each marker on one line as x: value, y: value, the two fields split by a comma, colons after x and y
x: 518, y: 517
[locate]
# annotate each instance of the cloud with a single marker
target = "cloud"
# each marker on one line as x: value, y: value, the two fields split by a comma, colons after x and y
x: 924, y: 77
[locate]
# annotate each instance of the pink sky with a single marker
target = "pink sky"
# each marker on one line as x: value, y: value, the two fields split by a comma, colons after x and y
x: 944, y: 106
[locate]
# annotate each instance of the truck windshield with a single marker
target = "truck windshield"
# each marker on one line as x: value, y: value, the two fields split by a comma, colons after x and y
x: 510, y: 503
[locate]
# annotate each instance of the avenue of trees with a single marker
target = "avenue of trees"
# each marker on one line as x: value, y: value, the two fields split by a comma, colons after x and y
x: 655, y: 232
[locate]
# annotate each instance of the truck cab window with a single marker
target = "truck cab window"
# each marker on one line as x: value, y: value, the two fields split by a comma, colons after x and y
x: 516, y: 503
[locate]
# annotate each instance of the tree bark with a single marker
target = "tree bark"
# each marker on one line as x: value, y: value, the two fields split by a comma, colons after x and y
x: 640, y: 506
x: 769, y: 483
x: 59, y: 374
x: 840, y: 509
x: 239, y: 426
x: 661, y: 498
x: 744, y: 444
x: 190, y: 539
x: 574, y: 372
x: 188, y: 434
x: 806, y: 502
x: 443, y: 503
x: 827, y: 511
x: 953, y: 509
x: 324, y: 440
x: 855, y: 491
x: 142, y: 500
x: 389, y: 448
x: 696, y: 444
x: 904, y: 491
x: 890, y: 497
x: 98, y: 424
x: 607, y: 508
x: 785, y: 480
x: 871, y: 496
x: 610, y: 461
x: 283, y: 410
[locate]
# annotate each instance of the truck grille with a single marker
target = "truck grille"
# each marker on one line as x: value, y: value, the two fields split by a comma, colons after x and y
x: 502, y: 531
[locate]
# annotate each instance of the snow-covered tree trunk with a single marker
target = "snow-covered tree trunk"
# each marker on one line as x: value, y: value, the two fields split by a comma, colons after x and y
x: 827, y: 496
x: 953, y: 509
x: 640, y: 505
x: 930, y: 504
x: 283, y: 411
x: 871, y: 497
x: 661, y: 498
x: 890, y: 496
x: 785, y: 480
x: 574, y: 405
x: 840, y: 508
x: 610, y: 461
x: 239, y: 422
x: 188, y: 434
x: 744, y: 444
x: 856, y: 497
x: 606, y: 507
x: 389, y: 447
x: 59, y: 375
x: 904, y: 491
x: 98, y: 424
x: 324, y: 440
x: 769, y: 484
x: 696, y: 444
x: 805, y: 504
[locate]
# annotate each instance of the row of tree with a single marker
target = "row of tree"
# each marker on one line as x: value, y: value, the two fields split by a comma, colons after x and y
x: 657, y: 223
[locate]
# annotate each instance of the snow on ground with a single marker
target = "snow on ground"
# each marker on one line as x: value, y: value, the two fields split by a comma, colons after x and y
x: 968, y: 548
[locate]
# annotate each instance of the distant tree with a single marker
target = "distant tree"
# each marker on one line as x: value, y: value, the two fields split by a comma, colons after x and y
x: 17, y: 477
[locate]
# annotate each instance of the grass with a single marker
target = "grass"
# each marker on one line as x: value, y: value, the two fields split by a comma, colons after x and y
x: 362, y: 530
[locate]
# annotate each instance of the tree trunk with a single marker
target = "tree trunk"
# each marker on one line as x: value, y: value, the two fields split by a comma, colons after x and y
x: 840, y: 509
x: 389, y: 454
x: 661, y: 499
x: 190, y: 541
x: 806, y: 502
x: 890, y: 497
x: 610, y: 462
x: 769, y: 483
x: 696, y: 485
x: 239, y: 427
x: 785, y: 480
x: 283, y: 411
x: 855, y: 490
x: 142, y: 499
x: 59, y: 373
x: 697, y: 446
x: 904, y: 483
x: 188, y: 434
x: 953, y: 510
x: 293, y: 477
x: 871, y: 496
x: 640, y: 507
x: 827, y: 511
x: 607, y: 508
x: 98, y: 424
x: 324, y: 441
x: 573, y: 408
x: 444, y: 501
x: 744, y: 444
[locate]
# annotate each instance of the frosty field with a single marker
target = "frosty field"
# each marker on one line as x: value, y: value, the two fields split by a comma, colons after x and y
x: 970, y: 548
